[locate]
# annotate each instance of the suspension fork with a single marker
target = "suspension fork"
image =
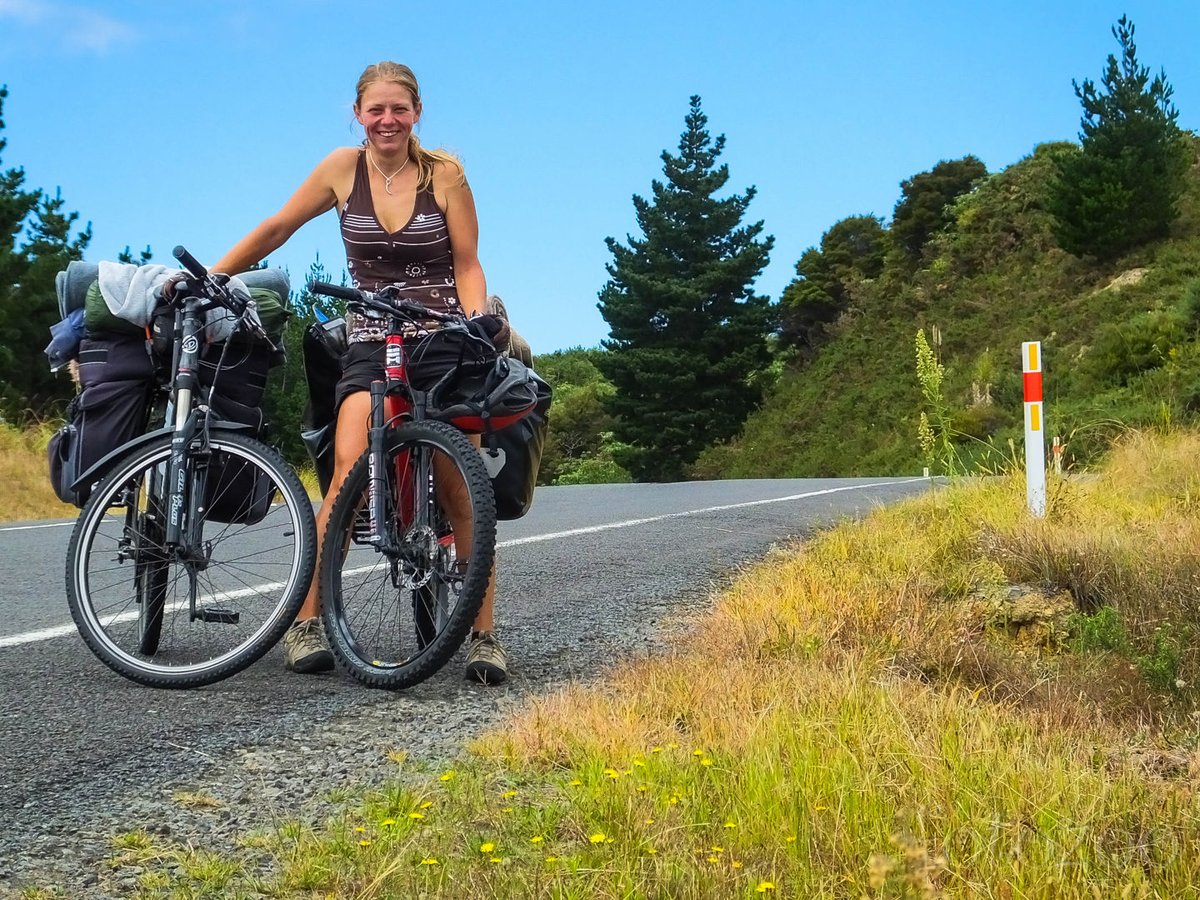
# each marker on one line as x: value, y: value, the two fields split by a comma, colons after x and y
x: 187, y: 327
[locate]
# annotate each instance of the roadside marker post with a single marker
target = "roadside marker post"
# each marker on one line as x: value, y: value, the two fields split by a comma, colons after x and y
x: 1035, y: 435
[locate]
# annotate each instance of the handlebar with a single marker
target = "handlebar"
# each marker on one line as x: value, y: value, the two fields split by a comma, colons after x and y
x: 384, y: 302
x: 213, y: 289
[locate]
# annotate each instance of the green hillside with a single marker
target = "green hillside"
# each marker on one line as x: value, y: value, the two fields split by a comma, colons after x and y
x: 1119, y: 343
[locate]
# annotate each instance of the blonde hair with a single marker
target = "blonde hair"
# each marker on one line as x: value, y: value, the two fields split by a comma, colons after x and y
x: 425, y: 160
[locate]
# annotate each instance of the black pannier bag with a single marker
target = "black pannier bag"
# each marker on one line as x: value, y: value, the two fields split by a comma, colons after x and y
x: 236, y: 492
x: 99, y: 420
x: 324, y: 345
x: 513, y: 456
x: 117, y: 376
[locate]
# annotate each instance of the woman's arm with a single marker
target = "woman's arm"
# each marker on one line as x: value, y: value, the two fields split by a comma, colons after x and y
x: 316, y: 195
x: 463, y: 224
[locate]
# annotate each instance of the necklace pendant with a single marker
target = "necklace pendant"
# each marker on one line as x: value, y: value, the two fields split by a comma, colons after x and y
x: 387, y: 185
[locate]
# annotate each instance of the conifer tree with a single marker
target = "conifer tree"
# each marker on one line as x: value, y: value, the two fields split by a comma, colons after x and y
x: 1121, y: 189
x: 35, y: 243
x: 687, y: 333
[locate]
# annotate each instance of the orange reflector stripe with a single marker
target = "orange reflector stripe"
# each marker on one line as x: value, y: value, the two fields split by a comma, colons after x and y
x: 1035, y: 417
x: 1033, y: 362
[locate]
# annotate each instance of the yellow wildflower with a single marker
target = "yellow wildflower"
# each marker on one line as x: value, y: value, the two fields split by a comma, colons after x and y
x: 764, y: 886
x: 487, y: 847
x: 447, y: 775
x: 429, y: 861
x: 597, y: 838
x: 416, y: 815
x: 536, y: 839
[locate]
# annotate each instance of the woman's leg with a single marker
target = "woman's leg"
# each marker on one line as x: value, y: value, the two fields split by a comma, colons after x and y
x: 304, y: 646
x: 452, y: 494
x: 350, y: 440
x: 486, y: 659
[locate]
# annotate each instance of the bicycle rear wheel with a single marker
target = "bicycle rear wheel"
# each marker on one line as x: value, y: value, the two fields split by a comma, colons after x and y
x: 184, y: 616
x: 395, y: 615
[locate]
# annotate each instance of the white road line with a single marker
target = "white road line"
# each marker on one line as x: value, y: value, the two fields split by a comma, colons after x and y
x: 45, y: 634
x: 31, y: 527
x: 592, y: 529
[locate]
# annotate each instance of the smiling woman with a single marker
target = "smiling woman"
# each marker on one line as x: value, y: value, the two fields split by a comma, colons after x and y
x: 408, y: 222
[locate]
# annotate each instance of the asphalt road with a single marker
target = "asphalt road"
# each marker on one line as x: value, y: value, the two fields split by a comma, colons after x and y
x: 592, y: 573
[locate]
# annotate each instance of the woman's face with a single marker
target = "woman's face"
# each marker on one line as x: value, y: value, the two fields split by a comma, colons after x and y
x: 387, y: 113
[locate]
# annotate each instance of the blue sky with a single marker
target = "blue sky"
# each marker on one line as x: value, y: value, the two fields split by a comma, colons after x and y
x: 188, y: 122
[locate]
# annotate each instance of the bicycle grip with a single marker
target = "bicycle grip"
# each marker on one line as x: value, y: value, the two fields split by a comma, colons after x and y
x: 189, y: 262
x: 335, y: 290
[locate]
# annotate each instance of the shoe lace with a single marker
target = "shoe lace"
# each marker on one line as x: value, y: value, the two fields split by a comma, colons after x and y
x: 306, y: 631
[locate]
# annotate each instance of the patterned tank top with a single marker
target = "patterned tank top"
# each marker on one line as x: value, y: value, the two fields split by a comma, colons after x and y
x: 416, y: 259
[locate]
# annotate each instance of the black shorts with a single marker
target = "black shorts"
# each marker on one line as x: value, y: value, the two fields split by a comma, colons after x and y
x: 428, y: 359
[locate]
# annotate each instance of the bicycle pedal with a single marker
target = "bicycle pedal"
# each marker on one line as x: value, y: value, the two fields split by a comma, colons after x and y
x: 218, y: 616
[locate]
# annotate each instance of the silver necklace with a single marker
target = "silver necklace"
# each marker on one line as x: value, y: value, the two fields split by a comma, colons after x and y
x: 387, y: 179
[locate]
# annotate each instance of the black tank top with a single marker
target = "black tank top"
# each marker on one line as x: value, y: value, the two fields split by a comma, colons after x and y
x: 416, y: 259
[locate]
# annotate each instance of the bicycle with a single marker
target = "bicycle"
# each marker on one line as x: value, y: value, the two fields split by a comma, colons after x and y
x: 194, y: 552
x: 400, y: 582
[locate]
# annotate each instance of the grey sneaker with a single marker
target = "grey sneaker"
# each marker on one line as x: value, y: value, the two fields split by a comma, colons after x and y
x: 304, y: 648
x: 486, y: 662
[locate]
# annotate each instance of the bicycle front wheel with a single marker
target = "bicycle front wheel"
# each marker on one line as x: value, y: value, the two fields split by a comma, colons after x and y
x: 398, y: 599
x: 191, y: 614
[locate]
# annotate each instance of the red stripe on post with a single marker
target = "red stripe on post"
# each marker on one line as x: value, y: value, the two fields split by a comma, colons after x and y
x: 1033, y: 387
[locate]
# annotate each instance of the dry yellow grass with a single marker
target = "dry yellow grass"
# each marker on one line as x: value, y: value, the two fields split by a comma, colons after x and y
x: 25, y: 492
x: 24, y: 477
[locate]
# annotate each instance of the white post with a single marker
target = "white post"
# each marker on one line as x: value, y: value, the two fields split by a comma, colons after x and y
x: 1035, y: 439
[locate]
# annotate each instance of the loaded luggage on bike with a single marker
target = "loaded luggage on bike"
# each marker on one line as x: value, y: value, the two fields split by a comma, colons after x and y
x: 123, y: 357
x: 512, y: 454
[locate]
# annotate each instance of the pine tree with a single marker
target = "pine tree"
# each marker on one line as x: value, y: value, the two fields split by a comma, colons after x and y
x: 687, y: 333
x: 1121, y: 189
x: 35, y: 243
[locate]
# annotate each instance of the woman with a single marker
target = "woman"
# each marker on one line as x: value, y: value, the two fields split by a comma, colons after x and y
x: 408, y: 219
